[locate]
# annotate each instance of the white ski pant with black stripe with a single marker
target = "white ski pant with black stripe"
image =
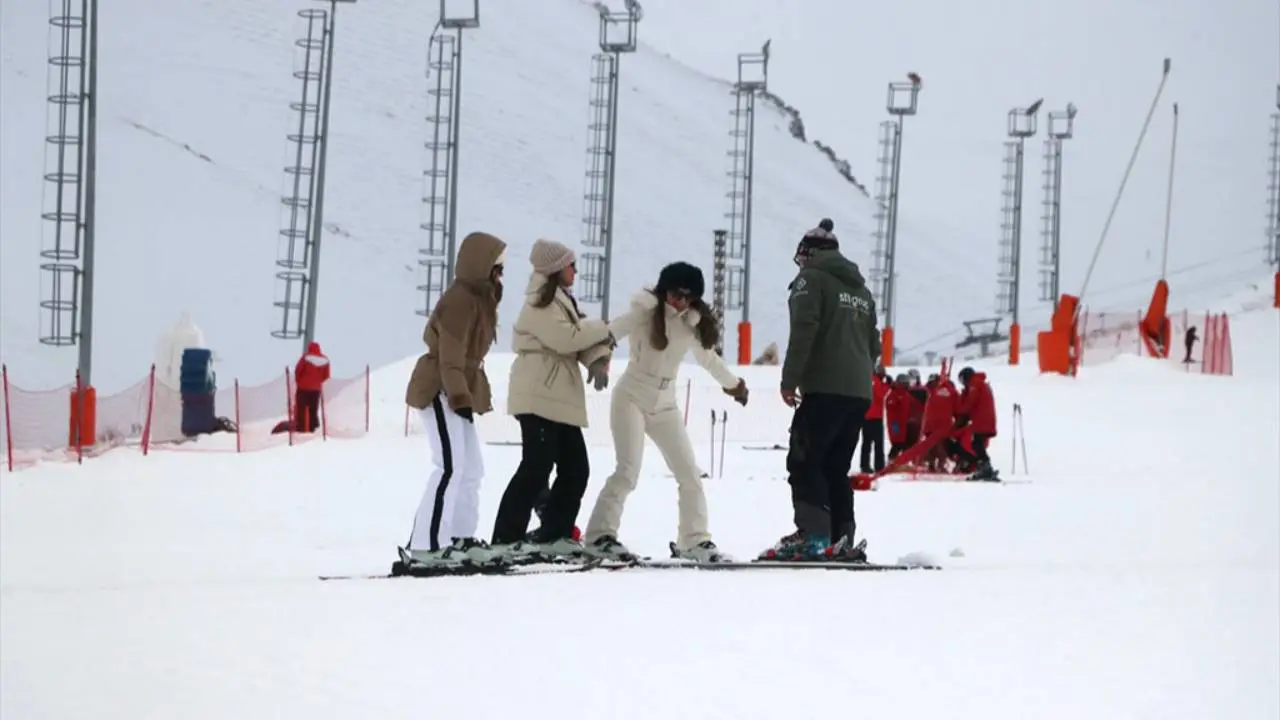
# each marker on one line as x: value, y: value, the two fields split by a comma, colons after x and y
x: 450, y: 506
x: 638, y: 410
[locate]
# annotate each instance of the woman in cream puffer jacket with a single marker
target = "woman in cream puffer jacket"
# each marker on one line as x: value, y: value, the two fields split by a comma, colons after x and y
x: 551, y: 338
x: 664, y: 324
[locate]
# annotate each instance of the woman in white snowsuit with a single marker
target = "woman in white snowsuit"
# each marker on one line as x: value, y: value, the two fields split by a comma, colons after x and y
x: 551, y: 338
x: 449, y: 389
x: 664, y: 324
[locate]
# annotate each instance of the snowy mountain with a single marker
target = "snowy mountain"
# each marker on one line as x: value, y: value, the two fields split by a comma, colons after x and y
x: 192, y: 126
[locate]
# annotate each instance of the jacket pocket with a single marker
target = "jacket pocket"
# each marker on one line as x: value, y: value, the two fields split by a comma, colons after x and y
x: 553, y: 373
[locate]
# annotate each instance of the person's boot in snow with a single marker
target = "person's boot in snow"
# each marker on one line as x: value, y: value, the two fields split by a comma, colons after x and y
x: 607, y: 547
x: 846, y: 550
x: 798, y: 546
x: 556, y: 548
x: 704, y: 552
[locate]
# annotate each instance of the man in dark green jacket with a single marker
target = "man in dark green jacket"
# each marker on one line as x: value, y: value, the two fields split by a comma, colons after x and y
x: 826, y: 376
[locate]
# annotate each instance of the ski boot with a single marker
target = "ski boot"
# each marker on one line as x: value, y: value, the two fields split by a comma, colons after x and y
x: 846, y: 551
x: 556, y: 549
x: 518, y: 552
x: 704, y: 552
x: 984, y: 473
x: 798, y: 546
x: 607, y: 548
x: 469, y: 552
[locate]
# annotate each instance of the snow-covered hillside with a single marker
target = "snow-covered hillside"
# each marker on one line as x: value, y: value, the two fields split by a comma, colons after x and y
x: 979, y: 59
x: 1132, y: 573
x: 194, y: 111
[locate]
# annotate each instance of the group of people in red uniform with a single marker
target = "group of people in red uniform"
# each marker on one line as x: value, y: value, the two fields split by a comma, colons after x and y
x: 932, y: 426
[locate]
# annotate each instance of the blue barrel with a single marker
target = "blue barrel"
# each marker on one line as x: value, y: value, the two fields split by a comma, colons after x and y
x: 197, y: 385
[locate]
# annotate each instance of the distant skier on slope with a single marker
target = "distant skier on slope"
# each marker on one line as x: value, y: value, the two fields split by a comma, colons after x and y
x: 664, y: 324
x: 546, y: 395
x: 826, y: 376
x: 449, y: 388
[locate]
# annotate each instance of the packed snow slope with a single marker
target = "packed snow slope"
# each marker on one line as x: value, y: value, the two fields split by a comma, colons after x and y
x: 981, y: 58
x: 1132, y: 573
x: 193, y: 115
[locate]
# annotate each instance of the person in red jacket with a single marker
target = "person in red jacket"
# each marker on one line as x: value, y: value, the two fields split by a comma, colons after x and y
x: 309, y: 376
x: 901, y: 409
x: 976, y: 410
x: 873, y: 423
x: 939, y: 417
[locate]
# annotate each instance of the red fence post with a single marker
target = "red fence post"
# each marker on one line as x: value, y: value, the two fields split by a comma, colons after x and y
x: 239, y: 430
x: 324, y: 417
x: 288, y: 402
x: 151, y: 407
x: 8, y: 421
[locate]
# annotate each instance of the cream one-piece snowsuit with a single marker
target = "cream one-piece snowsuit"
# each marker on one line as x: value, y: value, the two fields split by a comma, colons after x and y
x: 644, y: 403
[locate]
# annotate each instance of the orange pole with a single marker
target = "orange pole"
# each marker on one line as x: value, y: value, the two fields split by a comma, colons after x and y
x: 744, y: 343
x: 1015, y: 341
x: 1277, y: 290
x: 886, y: 346
x: 83, y: 430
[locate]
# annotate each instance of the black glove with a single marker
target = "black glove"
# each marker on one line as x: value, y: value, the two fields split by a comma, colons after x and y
x: 738, y: 393
x: 465, y: 414
x: 597, y: 374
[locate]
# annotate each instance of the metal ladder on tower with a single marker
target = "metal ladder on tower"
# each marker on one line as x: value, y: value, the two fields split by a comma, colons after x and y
x: 739, y: 172
x: 1273, y: 195
x: 883, y: 199
x: 604, y: 74
x: 63, y: 198
x: 1005, y: 297
x: 441, y: 60
x: 1049, y: 219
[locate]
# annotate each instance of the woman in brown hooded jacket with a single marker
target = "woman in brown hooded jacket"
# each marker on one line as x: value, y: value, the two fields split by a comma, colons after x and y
x: 449, y: 388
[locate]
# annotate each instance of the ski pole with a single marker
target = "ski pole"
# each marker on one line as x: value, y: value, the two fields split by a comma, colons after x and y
x: 1022, y: 437
x: 724, y: 432
x: 713, y: 443
x: 1013, y: 422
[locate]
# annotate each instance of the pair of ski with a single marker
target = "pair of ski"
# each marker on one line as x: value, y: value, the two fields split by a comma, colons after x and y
x: 406, y: 567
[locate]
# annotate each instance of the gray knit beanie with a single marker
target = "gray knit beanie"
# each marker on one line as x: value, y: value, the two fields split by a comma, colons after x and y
x: 550, y: 257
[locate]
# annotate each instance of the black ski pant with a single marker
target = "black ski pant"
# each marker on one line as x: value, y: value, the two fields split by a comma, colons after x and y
x: 306, y: 409
x: 872, y: 442
x: 824, y: 433
x: 545, y: 444
x: 980, y: 441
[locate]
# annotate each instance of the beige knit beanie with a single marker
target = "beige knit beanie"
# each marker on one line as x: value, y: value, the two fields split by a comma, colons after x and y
x: 550, y: 257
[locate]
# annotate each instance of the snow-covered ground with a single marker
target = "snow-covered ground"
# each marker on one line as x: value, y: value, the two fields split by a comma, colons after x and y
x: 1135, y: 573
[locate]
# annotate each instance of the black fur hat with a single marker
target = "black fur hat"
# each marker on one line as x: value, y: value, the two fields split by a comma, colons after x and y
x: 681, y: 277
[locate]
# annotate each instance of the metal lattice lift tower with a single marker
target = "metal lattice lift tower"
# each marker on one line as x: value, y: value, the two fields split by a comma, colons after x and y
x: 1022, y: 125
x: 70, y: 164
x: 444, y: 126
x: 718, y: 273
x: 1061, y: 127
x: 902, y: 102
x: 753, y: 79
x: 618, y: 32
x: 1273, y: 191
x: 298, y: 250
